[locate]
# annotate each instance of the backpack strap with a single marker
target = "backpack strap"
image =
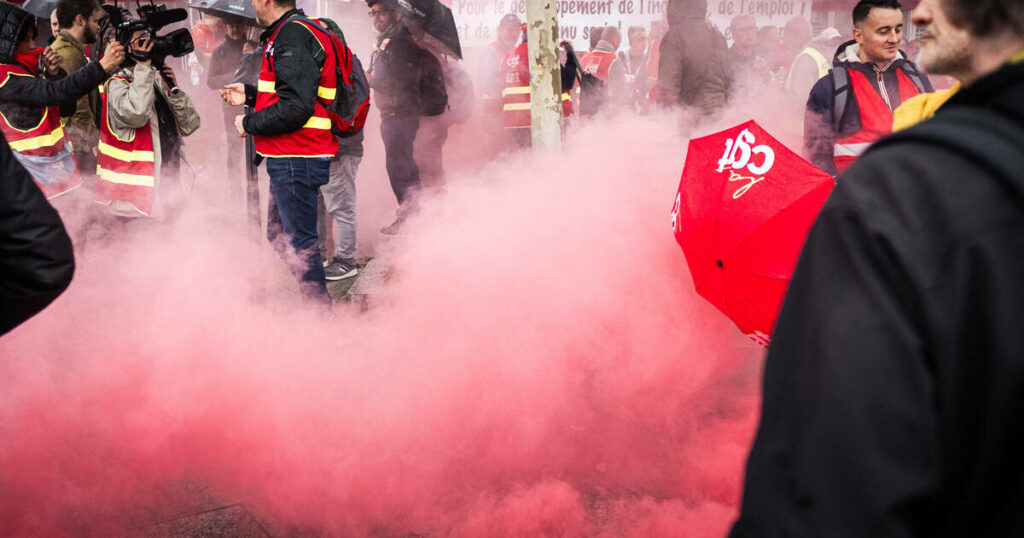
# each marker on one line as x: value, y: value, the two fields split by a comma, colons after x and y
x: 914, y: 75
x: 980, y: 134
x: 841, y: 91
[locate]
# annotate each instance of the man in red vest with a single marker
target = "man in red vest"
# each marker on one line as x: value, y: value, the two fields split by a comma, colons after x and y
x: 489, y: 75
x: 603, y: 62
x: 33, y: 89
x: 515, y: 95
x: 292, y: 131
x: 852, y: 107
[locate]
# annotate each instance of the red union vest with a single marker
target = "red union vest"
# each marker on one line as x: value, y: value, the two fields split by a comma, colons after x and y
x: 46, y: 139
x: 314, y: 139
x: 125, y: 167
x: 598, y: 64
x: 515, y: 93
x: 875, y: 117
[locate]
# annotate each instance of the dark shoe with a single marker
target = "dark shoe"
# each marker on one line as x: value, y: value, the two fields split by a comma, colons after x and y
x: 393, y: 228
x: 339, y: 270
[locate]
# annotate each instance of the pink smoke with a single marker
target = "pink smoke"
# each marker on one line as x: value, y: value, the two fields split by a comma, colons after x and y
x: 539, y: 365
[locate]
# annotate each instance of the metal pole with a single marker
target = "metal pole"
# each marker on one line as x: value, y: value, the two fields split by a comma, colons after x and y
x: 545, y: 75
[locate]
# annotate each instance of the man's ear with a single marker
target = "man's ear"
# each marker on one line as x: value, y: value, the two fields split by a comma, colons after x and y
x: 858, y: 35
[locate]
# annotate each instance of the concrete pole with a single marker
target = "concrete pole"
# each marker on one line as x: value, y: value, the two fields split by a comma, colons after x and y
x: 545, y: 76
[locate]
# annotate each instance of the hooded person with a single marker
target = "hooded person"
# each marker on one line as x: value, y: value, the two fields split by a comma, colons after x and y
x: 693, y: 65
x: 812, y: 64
x: 34, y: 91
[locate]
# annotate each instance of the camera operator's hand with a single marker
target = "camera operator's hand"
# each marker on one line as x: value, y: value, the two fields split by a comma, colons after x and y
x: 169, y: 73
x: 113, y: 57
x: 233, y: 94
x: 239, y: 127
x: 248, y: 47
x: 142, y: 51
x: 51, y: 61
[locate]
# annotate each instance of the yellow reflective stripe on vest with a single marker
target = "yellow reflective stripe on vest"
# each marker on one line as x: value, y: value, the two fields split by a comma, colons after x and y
x: 518, y: 90
x: 318, y: 123
x: 137, y: 155
x: 851, y: 150
x: 125, y: 179
x: 270, y: 86
x: 819, y: 59
x: 565, y: 96
x: 517, y: 106
x: 36, y: 142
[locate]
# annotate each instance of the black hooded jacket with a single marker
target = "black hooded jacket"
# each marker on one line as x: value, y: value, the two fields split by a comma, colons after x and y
x: 22, y: 99
x: 36, y: 260
x: 894, y: 385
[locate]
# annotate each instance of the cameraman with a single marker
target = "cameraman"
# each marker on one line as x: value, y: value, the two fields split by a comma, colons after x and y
x: 141, y: 126
x: 30, y: 105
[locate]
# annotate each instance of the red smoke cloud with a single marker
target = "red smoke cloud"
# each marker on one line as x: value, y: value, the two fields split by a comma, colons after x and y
x: 539, y: 365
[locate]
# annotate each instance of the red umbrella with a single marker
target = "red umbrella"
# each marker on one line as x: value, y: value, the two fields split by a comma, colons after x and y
x: 744, y: 207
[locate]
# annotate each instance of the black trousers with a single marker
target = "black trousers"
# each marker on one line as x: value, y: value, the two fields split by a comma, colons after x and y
x: 399, y: 134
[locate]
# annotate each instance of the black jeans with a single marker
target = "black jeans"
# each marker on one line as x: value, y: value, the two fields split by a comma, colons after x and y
x: 399, y: 134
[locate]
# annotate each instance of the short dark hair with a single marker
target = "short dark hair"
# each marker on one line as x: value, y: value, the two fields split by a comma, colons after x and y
x: 67, y: 10
x: 986, y: 17
x: 864, y: 7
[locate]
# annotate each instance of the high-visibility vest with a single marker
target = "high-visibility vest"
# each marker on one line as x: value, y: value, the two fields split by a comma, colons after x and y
x: 876, y: 116
x: 125, y: 167
x: 515, y: 95
x: 819, y: 60
x: 45, y: 139
x: 598, y: 63
x: 314, y: 138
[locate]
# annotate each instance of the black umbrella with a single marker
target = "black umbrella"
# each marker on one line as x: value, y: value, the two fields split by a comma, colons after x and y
x: 435, y: 21
x: 225, y: 8
x: 40, y: 8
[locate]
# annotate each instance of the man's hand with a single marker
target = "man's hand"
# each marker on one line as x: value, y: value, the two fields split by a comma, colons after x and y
x: 51, y: 61
x: 169, y: 73
x: 233, y: 94
x: 113, y: 57
x: 239, y: 128
x: 248, y: 47
x: 137, y: 46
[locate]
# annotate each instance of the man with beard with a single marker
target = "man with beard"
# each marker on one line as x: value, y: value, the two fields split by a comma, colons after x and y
x: 407, y: 82
x: 79, y: 22
x: 892, y: 388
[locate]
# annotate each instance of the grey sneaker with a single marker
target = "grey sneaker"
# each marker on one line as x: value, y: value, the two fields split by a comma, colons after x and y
x: 339, y: 270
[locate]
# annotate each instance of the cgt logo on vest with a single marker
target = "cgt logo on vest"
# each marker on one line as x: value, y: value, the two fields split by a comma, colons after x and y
x: 740, y: 154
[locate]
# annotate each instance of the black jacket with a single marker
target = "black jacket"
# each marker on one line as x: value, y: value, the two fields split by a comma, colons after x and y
x: 298, y: 58
x: 894, y: 384
x: 22, y: 98
x: 819, y: 134
x: 36, y: 261
x: 406, y: 79
x: 224, y: 61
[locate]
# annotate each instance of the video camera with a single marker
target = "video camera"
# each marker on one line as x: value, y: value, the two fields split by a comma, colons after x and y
x: 151, y: 18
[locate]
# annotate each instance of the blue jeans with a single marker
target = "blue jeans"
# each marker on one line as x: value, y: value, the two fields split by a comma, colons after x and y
x: 291, y: 214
